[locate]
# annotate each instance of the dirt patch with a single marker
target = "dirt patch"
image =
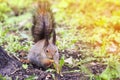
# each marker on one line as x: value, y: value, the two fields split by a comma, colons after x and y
x: 73, y: 76
x: 96, y: 68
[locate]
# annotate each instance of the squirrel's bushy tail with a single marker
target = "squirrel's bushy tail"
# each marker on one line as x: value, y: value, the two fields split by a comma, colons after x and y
x: 43, y: 22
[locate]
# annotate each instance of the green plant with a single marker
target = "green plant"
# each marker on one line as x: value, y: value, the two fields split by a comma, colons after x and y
x: 3, y: 10
x: 62, y: 62
x: 2, y: 78
x: 85, y: 70
x: 58, y: 68
x: 32, y: 77
x: 11, y: 36
x: 67, y: 38
x: 25, y: 66
x: 112, y: 70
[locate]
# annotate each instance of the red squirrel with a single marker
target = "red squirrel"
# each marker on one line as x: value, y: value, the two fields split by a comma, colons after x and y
x: 44, y: 52
x: 44, y: 56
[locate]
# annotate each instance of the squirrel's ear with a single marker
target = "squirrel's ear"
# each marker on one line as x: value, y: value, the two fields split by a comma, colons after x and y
x: 54, y: 37
x: 46, y: 42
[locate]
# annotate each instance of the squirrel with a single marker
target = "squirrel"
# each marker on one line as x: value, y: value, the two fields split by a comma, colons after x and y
x: 44, y: 52
x: 44, y: 56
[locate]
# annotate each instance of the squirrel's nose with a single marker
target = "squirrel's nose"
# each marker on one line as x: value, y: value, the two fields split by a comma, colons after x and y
x: 50, y: 56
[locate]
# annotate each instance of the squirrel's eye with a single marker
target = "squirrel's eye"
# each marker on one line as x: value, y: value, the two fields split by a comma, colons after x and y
x: 47, y: 51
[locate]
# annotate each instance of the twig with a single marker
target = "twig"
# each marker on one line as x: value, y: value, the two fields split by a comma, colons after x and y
x: 16, y: 70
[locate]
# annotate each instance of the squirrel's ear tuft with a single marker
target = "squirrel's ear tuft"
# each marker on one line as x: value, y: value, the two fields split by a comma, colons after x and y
x: 53, y: 38
x: 46, y: 43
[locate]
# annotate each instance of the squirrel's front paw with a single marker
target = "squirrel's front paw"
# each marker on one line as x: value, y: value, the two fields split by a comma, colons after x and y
x: 48, y: 62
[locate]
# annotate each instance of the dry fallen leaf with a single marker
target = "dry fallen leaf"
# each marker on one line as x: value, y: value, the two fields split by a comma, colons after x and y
x: 69, y: 60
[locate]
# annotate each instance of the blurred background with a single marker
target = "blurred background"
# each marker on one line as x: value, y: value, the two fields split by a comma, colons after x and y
x: 90, y: 28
